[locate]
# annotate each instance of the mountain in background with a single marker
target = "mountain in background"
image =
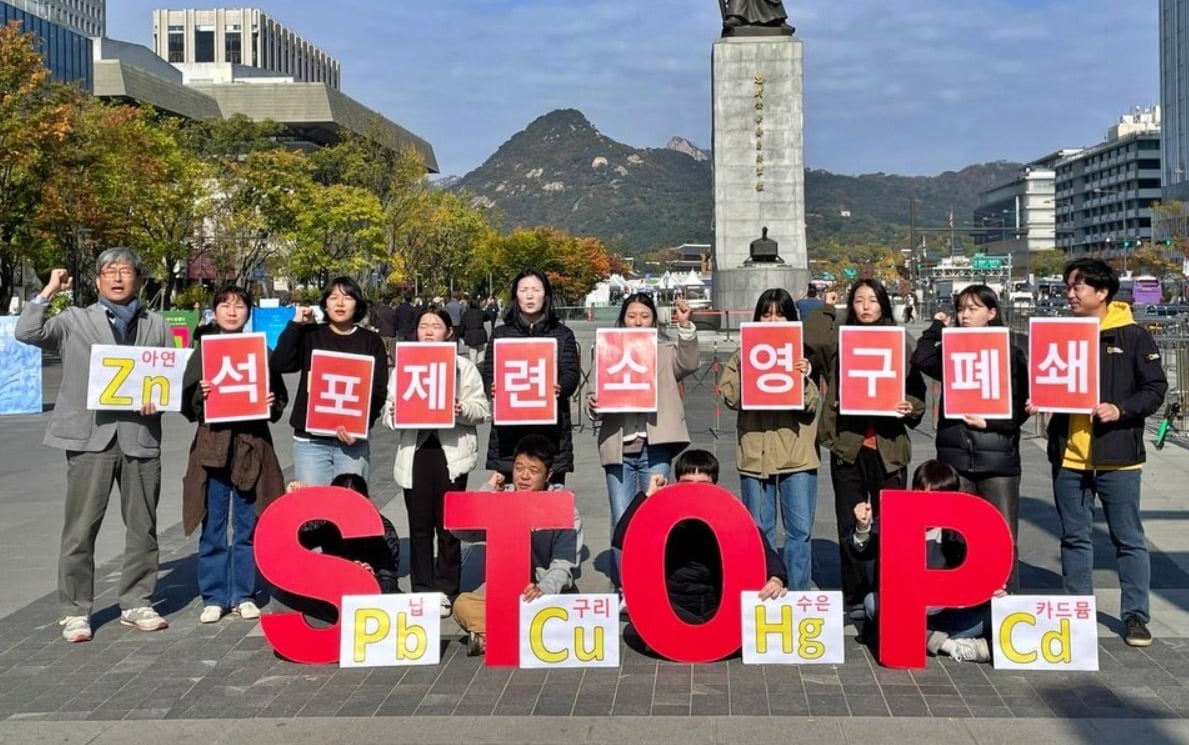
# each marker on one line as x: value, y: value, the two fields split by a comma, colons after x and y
x: 563, y: 172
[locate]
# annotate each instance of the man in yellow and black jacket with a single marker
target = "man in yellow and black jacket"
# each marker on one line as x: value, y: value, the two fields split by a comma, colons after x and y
x: 1102, y: 454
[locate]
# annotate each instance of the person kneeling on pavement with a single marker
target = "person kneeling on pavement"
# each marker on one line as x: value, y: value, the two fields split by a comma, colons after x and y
x: 555, y: 553
x: 957, y: 632
x: 380, y: 556
x: 693, y: 562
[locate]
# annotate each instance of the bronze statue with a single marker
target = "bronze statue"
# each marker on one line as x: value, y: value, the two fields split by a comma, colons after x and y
x: 745, y: 17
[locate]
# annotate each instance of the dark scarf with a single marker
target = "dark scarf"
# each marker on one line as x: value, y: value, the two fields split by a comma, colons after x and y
x: 123, y: 318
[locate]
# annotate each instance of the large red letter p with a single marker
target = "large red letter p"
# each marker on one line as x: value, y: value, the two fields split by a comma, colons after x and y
x: 907, y: 588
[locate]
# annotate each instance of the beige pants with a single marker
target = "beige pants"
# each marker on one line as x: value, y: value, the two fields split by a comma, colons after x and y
x: 470, y: 612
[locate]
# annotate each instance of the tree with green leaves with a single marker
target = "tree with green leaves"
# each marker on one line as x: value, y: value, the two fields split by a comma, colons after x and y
x: 337, y: 230
x: 37, y: 117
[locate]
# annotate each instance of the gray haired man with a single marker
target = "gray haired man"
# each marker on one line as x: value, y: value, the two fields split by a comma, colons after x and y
x: 102, y: 447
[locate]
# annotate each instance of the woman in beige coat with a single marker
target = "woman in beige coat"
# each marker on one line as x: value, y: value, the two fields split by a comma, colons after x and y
x: 634, y: 447
x: 777, y: 454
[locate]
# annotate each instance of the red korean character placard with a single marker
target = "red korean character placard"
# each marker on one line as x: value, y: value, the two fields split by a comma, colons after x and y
x: 871, y: 370
x: 976, y: 372
x: 525, y: 375
x: 340, y: 393
x: 1063, y: 364
x: 625, y: 370
x: 236, y: 366
x: 423, y: 385
x: 768, y: 354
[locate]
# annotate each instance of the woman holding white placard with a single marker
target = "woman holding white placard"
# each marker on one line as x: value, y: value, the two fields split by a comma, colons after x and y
x: 633, y: 447
x: 232, y: 475
x: 431, y: 462
x: 776, y: 453
x: 984, y: 452
x: 868, y: 453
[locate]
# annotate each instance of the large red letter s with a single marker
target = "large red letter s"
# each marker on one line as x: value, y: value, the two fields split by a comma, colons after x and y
x: 509, y: 518
x: 644, y: 586
x: 290, y: 567
x: 907, y: 588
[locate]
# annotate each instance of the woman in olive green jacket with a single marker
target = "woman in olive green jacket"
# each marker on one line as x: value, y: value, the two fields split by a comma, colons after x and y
x: 776, y: 454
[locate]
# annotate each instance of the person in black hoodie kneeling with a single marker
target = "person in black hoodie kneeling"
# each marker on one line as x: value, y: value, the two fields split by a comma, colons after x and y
x: 693, y: 561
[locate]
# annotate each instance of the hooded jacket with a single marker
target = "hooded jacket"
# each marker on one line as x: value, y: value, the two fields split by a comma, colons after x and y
x: 1132, y: 378
x: 501, y: 442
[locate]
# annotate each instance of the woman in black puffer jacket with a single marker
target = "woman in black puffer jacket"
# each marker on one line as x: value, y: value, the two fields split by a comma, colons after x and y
x: 530, y: 314
x: 985, y: 453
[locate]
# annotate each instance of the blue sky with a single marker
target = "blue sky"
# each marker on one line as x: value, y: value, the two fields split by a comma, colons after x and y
x: 898, y: 86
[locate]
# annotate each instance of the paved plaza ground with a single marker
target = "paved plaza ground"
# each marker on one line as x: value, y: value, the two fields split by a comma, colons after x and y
x: 105, y: 690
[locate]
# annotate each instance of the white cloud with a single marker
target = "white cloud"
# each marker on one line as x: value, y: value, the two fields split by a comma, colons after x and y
x: 912, y: 86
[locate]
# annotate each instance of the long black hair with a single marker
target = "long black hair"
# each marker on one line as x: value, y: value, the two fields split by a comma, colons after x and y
x: 548, y: 314
x: 642, y: 299
x: 984, y: 296
x: 781, y: 299
x: 881, y: 295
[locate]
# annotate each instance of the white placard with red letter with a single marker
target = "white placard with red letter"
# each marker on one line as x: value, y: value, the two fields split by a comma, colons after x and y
x: 525, y: 375
x: 340, y: 393
x: 625, y: 370
x: 768, y: 352
x: 236, y: 366
x: 423, y: 374
x: 976, y: 372
x: 871, y: 370
x: 123, y: 378
x: 1063, y: 364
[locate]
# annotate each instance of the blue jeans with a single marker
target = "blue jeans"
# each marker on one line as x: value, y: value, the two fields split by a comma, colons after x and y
x: 943, y: 623
x: 226, y: 572
x: 1074, y: 492
x: 629, y: 478
x: 317, y: 461
x: 798, y: 505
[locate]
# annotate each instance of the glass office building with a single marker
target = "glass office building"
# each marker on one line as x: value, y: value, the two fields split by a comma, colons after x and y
x: 66, y: 53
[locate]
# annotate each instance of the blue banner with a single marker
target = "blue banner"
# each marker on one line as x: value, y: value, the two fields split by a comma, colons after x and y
x: 271, y: 321
x: 20, y: 372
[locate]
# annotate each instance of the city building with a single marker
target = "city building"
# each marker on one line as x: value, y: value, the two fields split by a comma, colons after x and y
x: 66, y: 53
x: 1018, y: 218
x: 83, y: 17
x: 1174, y: 98
x: 312, y: 114
x: 224, y: 45
x: 1104, y: 193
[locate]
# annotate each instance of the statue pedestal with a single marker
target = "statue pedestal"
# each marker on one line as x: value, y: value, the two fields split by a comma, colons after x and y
x: 759, y: 166
x: 736, y: 290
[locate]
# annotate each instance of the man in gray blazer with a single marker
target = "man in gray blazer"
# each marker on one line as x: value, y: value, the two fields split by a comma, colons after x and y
x: 102, y: 447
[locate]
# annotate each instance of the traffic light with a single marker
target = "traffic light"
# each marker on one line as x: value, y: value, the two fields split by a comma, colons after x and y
x: 1126, y: 243
x: 1168, y: 241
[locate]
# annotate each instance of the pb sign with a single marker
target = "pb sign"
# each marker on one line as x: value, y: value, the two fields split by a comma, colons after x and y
x: 126, y: 378
x: 390, y: 630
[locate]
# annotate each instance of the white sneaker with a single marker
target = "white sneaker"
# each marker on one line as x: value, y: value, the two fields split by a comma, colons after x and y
x: 143, y: 618
x: 211, y: 614
x: 248, y: 610
x: 446, y: 606
x: 970, y: 650
x: 76, y: 628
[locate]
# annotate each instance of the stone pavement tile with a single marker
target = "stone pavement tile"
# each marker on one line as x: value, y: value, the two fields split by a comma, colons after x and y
x: 670, y: 710
x: 674, y: 686
x: 518, y: 699
x: 907, y: 706
x: 933, y: 732
x: 712, y: 705
x: 1028, y: 706
x: 867, y: 705
x: 633, y: 696
x: 827, y: 705
x: 403, y: 700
